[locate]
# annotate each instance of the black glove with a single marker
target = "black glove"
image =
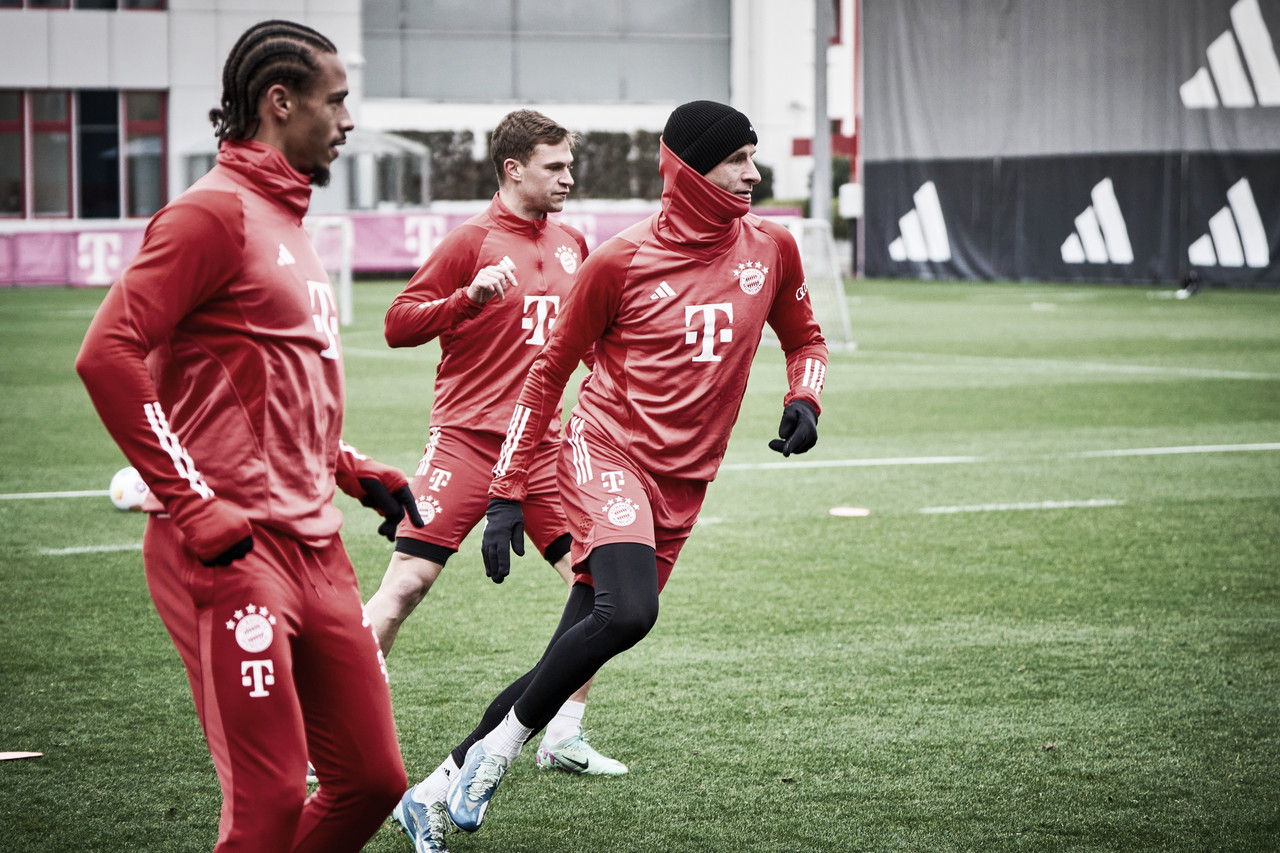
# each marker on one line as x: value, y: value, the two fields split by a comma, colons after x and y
x: 799, y: 429
x: 235, y: 552
x: 392, y: 505
x: 503, y: 527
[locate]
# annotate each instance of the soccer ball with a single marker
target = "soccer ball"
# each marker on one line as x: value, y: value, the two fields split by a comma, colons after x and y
x: 127, y: 490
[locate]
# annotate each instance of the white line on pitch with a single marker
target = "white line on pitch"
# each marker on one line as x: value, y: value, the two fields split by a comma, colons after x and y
x: 954, y: 460
x: 947, y: 510
x: 1063, y: 365
x: 1164, y: 451
x: 89, y: 549
x: 28, y: 496
x: 856, y: 463
x: 839, y: 463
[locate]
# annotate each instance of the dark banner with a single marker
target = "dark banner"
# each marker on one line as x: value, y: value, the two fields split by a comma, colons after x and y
x: 1094, y: 140
x: 1121, y: 218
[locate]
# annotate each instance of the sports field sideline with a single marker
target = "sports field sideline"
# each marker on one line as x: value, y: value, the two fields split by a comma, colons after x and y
x: 1056, y: 628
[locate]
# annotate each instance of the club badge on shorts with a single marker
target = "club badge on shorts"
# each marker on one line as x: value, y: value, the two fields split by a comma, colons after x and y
x: 621, y: 512
x: 254, y: 629
x: 428, y: 508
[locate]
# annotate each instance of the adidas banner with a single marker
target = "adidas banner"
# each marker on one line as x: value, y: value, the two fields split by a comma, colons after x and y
x: 1125, y: 218
x: 1087, y: 141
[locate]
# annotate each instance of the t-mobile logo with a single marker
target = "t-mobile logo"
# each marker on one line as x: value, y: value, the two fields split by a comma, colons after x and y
x: 324, y: 314
x: 544, y: 310
x: 99, y: 253
x: 709, y: 334
x: 257, y: 675
x: 422, y: 234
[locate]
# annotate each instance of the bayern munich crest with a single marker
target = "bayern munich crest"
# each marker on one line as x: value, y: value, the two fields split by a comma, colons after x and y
x: 621, y: 512
x: 568, y: 259
x: 254, y: 628
x: 428, y: 508
x: 751, y: 277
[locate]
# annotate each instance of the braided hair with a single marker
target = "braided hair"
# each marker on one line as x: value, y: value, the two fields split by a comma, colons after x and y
x: 266, y: 54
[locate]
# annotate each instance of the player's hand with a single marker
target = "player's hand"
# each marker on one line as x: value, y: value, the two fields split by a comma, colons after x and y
x: 212, y: 529
x: 392, y: 505
x: 235, y: 552
x: 799, y: 429
x: 492, y: 281
x: 503, y: 528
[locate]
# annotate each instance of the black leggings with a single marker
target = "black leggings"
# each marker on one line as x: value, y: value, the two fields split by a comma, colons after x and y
x: 598, y: 623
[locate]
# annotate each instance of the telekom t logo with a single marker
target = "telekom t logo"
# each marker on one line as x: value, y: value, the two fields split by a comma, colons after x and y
x: 439, y: 479
x: 257, y: 675
x: 99, y: 253
x: 708, y: 333
x: 545, y: 307
x: 422, y: 234
x: 613, y: 481
x: 324, y: 313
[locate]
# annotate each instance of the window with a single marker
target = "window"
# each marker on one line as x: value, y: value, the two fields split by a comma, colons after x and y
x: 93, y: 153
x: 144, y: 147
x: 99, y: 153
x: 11, y: 153
x: 51, y: 152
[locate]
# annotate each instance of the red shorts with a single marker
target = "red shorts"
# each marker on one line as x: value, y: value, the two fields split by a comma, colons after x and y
x: 609, y: 499
x: 452, y: 489
x: 283, y: 668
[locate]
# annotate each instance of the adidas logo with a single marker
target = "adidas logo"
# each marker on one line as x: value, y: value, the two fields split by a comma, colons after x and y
x: 1100, y: 236
x: 662, y: 292
x: 1236, y: 234
x: 284, y: 259
x: 924, y: 231
x: 1226, y: 71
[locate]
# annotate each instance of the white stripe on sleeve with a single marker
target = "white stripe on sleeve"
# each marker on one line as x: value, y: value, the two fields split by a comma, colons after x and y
x: 181, y: 459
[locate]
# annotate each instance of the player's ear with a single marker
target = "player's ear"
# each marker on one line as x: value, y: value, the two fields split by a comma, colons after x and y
x: 513, y: 169
x: 277, y: 101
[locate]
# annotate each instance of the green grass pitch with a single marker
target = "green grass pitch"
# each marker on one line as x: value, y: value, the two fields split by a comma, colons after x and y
x: 1058, y: 629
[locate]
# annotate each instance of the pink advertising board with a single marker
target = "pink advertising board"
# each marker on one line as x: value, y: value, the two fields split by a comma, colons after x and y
x: 87, y: 254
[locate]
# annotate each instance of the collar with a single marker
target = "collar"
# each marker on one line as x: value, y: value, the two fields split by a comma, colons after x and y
x: 265, y: 167
x: 511, y: 221
x: 697, y: 217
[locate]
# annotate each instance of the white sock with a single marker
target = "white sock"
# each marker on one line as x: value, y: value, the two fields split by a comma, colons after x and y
x: 565, y: 724
x: 433, y: 788
x: 507, y: 737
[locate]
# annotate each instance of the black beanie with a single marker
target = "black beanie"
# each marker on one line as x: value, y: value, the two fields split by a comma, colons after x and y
x: 703, y: 133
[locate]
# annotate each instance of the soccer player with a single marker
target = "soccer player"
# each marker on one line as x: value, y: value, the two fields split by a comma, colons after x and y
x: 491, y: 291
x: 215, y: 363
x: 673, y: 309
